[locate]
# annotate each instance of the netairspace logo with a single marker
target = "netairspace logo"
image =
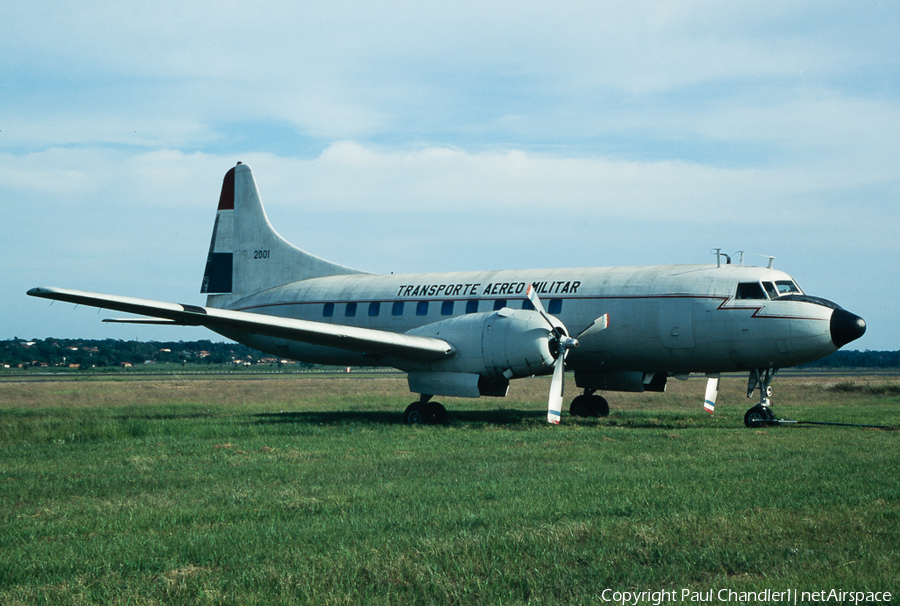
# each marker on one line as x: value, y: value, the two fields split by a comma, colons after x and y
x: 766, y: 596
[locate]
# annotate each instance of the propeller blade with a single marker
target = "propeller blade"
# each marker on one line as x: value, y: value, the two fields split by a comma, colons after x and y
x: 601, y: 323
x: 558, y: 383
x: 712, y: 390
x: 557, y: 386
x: 532, y: 296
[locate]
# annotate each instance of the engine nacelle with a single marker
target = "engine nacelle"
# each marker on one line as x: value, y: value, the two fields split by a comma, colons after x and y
x: 502, y: 344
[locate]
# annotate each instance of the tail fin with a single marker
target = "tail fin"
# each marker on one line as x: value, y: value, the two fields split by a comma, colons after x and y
x: 246, y: 254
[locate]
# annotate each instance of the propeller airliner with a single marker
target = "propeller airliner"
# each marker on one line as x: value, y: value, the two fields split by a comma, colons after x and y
x: 467, y: 334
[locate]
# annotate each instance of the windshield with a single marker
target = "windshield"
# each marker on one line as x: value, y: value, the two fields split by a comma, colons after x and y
x: 787, y: 287
x: 779, y: 288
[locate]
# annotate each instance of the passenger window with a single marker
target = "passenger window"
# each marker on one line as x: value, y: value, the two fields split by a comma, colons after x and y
x: 328, y: 310
x: 750, y: 290
x: 422, y: 308
x: 527, y: 304
x: 472, y: 306
x: 397, y: 308
x: 447, y: 308
x: 555, y: 307
x: 350, y: 311
x: 499, y: 304
x: 374, y: 308
x: 771, y: 290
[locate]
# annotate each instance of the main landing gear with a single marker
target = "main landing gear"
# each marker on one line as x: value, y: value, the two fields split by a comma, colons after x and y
x: 589, y: 405
x: 760, y: 415
x: 425, y: 412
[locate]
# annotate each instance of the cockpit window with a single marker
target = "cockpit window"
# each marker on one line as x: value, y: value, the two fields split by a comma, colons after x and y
x: 757, y: 290
x: 787, y: 287
x: 750, y: 290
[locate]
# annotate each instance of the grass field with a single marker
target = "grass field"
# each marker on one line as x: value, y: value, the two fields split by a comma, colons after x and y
x: 309, y: 490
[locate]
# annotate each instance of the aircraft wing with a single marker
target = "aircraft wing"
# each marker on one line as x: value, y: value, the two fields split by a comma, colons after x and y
x: 365, y: 340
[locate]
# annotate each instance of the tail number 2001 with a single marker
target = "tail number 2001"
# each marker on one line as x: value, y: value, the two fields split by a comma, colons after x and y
x: 260, y: 254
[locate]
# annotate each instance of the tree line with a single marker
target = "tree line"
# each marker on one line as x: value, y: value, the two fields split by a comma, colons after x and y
x: 97, y: 353
x: 857, y: 359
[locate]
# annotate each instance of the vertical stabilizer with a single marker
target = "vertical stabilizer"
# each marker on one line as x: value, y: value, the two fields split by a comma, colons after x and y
x: 246, y: 254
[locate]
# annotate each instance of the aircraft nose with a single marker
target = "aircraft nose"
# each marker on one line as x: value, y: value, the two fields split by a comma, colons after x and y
x: 846, y: 327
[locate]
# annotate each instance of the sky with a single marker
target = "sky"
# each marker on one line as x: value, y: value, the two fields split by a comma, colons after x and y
x: 432, y: 136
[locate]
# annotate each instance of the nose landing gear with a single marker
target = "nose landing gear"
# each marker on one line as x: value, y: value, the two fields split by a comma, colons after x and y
x: 760, y: 415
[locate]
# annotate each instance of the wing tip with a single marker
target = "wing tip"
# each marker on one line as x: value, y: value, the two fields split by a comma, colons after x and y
x: 39, y: 291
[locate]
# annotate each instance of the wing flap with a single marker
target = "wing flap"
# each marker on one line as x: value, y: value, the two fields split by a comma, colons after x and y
x: 352, y: 338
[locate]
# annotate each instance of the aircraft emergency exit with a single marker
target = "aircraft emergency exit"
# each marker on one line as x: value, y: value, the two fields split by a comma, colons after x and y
x: 467, y: 334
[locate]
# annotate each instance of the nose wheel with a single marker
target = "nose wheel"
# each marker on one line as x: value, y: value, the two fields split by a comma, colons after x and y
x: 760, y: 415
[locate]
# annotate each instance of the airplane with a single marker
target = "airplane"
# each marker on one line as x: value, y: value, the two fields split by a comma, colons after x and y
x: 467, y: 334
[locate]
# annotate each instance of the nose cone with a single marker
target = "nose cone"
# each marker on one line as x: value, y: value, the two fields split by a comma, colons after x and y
x: 846, y: 327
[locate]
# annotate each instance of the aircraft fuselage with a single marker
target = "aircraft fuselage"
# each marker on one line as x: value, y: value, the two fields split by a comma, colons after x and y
x: 673, y: 318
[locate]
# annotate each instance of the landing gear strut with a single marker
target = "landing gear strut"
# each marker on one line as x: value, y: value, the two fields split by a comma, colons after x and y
x: 760, y: 415
x: 425, y: 412
x: 589, y: 405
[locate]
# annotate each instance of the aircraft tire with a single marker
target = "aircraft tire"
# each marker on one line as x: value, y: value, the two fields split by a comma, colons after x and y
x: 438, y: 413
x: 589, y: 406
x: 425, y: 413
x: 580, y: 406
x: 599, y: 406
x: 416, y: 414
x: 758, y: 416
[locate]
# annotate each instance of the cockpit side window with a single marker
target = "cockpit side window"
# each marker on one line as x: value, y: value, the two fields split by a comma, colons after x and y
x: 770, y: 290
x: 750, y: 290
x: 788, y: 287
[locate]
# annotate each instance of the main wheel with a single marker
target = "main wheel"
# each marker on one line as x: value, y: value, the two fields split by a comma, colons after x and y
x: 416, y: 414
x: 758, y: 416
x: 438, y: 413
x: 599, y: 406
x: 589, y: 406
x: 425, y: 413
x: 580, y: 406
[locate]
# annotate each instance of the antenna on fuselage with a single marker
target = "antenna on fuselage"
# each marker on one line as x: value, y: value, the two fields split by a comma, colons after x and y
x: 719, y: 254
x: 771, y: 259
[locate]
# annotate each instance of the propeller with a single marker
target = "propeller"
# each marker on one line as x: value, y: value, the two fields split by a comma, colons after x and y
x: 563, y: 344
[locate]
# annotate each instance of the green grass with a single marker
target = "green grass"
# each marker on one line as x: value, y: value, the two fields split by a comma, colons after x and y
x: 308, y: 490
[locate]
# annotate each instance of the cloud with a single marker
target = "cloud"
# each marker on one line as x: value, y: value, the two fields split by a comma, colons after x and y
x: 351, y: 71
x: 428, y: 136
